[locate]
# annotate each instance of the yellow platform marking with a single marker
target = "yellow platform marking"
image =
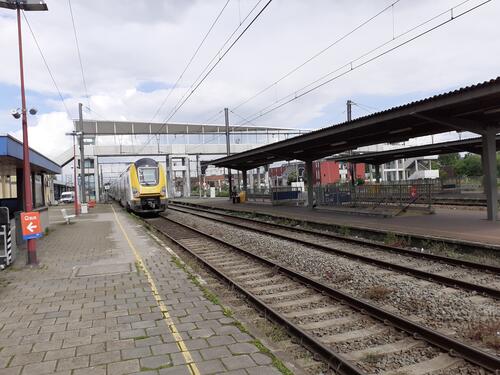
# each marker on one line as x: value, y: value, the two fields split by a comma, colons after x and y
x: 163, y: 308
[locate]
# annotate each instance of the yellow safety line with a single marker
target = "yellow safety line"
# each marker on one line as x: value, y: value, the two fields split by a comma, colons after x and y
x: 163, y: 308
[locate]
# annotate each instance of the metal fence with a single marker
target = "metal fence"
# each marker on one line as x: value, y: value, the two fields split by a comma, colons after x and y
x: 258, y: 195
x: 287, y: 195
x: 402, y: 194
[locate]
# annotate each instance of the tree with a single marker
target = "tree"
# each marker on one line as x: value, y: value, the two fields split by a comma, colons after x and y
x: 469, y: 166
x: 292, y: 177
x: 448, y: 159
x: 447, y: 163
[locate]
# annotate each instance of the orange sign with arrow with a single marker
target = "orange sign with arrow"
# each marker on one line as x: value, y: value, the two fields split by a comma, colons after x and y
x: 30, y: 224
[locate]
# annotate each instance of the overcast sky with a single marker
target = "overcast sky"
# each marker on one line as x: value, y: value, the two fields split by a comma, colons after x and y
x: 134, y: 51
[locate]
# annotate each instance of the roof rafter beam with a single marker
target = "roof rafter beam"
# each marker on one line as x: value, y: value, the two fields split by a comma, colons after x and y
x: 457, y: 124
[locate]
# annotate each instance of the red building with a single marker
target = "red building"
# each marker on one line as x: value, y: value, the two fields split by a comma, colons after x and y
x: 324, y: 172
x: 329, y: 172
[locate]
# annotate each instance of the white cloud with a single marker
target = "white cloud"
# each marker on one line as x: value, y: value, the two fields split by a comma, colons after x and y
x: 124, y: 43
x: 48, y: 134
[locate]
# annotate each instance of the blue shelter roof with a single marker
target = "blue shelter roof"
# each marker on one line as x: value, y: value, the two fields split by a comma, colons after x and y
x: 11, y: 151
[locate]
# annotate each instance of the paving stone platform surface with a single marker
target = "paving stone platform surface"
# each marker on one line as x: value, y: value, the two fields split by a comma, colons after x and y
x: 90, y: 308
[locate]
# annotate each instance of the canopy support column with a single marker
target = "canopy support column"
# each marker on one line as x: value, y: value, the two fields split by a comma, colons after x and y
x: 377, y: 173
x: 490, y: 172
x: 245, y: 180
x: 310, y: 184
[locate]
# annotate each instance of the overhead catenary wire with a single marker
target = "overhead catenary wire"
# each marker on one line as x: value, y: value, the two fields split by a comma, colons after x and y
x: 78, y: 52
x: 190, y: 61
x: 217, y: 54
x: 233, y: 126
x: 212, y: 118
x: 318, y: 54
x: 365, y: 107
x: 242, y: 118
x: 96, y: 113
x: 47, y: 65
x: 194, y: 87
x: 318, y: 83
x: 197, y: 83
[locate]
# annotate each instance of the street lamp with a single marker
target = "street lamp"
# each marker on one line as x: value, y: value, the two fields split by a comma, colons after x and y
x: 26, y: 5
x: 75, y: 134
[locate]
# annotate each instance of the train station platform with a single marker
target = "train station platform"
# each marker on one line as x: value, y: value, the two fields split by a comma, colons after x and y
x: 107, y: 298
x: 451, y: 224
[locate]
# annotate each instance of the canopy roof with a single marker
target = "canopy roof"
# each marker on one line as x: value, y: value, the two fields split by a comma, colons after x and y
x: 11, y: 157
x: 471, y: 108
x: 474, y: 145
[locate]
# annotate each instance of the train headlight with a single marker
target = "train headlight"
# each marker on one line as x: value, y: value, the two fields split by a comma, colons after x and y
x: 135, y: 192
x: 163, y: 190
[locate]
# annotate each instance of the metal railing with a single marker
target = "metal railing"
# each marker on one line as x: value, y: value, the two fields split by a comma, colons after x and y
x: 287, y: 195
x: 258, y: 195
x: 402, y: 194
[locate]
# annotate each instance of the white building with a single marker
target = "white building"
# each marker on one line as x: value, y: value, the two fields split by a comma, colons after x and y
x: 401, y: 169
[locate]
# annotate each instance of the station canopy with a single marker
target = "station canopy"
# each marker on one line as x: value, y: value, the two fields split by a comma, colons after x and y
x: 472, y: 145
x: 472, y: 108
x: 11, y: 157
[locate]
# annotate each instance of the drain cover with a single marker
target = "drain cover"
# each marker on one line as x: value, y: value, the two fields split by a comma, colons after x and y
x: 105, y: 269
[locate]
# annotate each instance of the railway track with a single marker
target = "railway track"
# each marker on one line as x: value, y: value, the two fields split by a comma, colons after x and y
x: 370, y: 253
x: 350, y: 334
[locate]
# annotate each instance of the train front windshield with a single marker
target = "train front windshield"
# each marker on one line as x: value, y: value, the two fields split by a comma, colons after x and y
x: 148, y: 176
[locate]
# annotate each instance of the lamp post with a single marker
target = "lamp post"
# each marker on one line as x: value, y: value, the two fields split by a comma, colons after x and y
x: 25, y: 5
x: 75, y: 134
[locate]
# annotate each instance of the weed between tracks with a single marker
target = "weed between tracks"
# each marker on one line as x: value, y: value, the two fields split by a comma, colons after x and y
x: 227, y: 312
x: 392, y: 239
x: 276, y: 362
x: 488, y: 332
x: 344, y: 231
x: 372, y: 358
x: 377, y: 293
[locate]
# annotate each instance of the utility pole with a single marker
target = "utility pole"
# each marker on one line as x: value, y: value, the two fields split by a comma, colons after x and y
x: 228, y: 149
x: 27, y: 193
x: 101, y: 183
x: 82, y: 155
x: 352, y: 168
x: 198, y: 173
x: 74, y: 175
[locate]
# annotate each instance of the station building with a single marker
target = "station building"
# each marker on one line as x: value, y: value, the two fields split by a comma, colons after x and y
x: 43, y: 171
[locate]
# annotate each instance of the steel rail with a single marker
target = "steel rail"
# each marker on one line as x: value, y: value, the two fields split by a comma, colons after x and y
x: 446, y: 343
x: 336, y: 361
x: 439, y: 258
x: 428, y: 276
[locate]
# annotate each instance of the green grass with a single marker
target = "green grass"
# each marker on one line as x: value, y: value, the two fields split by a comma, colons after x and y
x: 275, y: 360
x: 344, y: 231
x: 227, y: 312
x: 372, y: 358
x: 138, y: 267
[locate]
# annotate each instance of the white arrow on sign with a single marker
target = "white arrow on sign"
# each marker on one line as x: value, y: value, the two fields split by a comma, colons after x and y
x: 31, y: 227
